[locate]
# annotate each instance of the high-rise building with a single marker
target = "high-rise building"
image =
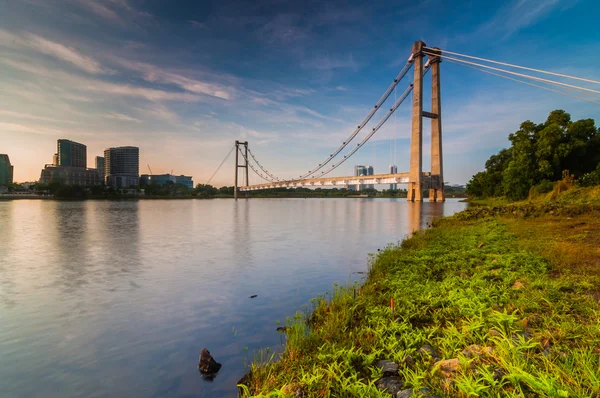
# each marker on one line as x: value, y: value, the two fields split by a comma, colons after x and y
x: 359, y: 171
x: 100, y: 166
x: 69, y: 166
x: 6, y: 171
x: 122, y: 166
x: 71, y: 154
x: 393, y: 170
x: 370, y: 172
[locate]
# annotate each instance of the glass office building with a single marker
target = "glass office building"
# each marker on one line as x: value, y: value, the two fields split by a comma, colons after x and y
x: 6, y: 171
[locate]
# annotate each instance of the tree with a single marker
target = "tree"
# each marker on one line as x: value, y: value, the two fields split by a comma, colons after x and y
x: 539, y: 154
x: 205, y: 191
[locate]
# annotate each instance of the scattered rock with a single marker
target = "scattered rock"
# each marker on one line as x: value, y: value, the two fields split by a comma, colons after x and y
x: 409, y: 361
x: 391, y: 384
x: 448, y: 367
x: 525, y: 334
x: 404, y: 393
x: 498, y: 374
x: 207, y: 365
x: 253, y: 296
x: 518, y: 284
x: 423, y: 392
x: 479, y: 246
x: 293, y: 388
x: 494, y: 333
x: 475, y: 350
x: 389, y: 368
x: 245, y: 381
x: 282, y: 329
x: 429, y: 350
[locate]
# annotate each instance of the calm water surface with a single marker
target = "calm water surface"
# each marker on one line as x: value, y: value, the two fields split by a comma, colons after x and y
x: 116, y: 299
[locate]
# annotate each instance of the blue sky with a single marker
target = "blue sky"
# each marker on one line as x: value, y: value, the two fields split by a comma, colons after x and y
x: 184, y: 79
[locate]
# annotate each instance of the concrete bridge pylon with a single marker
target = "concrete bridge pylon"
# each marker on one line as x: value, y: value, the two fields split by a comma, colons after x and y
x: 416, y: 183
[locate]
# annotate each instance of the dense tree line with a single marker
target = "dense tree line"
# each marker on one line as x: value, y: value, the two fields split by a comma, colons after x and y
x: 538, y: 156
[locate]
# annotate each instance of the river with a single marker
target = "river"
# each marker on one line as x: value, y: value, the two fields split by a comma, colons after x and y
x: 117, y: 299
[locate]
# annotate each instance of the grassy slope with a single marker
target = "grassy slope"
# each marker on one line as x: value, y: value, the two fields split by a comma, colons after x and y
x: 527, y: 288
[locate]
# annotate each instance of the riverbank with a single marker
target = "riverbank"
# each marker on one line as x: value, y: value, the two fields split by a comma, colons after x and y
x: 495, y: 301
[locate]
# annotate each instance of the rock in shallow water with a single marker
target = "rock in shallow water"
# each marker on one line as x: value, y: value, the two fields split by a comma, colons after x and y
x: 207, y: 365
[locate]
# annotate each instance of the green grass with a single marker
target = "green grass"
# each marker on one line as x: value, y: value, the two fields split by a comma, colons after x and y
x: 523, y: 290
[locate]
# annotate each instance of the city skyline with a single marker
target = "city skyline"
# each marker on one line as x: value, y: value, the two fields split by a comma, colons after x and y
x: 183, y: 83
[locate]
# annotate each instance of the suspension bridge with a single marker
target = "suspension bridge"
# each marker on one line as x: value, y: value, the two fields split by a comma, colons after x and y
x: 422, y: 60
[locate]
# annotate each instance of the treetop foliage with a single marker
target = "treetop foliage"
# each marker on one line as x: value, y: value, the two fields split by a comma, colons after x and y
x: 538, y: 155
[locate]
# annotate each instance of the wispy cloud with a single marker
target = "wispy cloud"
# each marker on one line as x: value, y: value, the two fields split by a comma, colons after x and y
x: 20, y: 115
x: 65, y: 53
x: 331, y: 62
x: 100, y: 9
x: 158, y: 112
x: 520, y: 14
x: 122, y: 117
x: 53, y: 49
x: 197, y: 24
x: 112, y: 10
x: 155, y: 74
x: 99, y: 86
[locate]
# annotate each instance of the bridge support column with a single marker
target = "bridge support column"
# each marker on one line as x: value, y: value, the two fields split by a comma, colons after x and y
x: 436, y: 191
x: 238, y: 166
x: 415, y: 185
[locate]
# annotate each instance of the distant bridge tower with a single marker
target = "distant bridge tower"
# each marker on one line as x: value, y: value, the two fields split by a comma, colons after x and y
x: 415, y: 185
x: 238, y: 165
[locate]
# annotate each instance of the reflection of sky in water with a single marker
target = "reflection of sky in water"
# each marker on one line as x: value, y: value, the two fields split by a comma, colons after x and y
x: 104, y: 299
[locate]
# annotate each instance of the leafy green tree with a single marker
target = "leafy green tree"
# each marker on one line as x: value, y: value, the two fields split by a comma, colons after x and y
x: 539, y: 154
x: 205, y: 191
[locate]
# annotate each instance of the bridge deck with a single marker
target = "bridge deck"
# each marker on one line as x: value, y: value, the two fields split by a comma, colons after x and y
x: 398, y: 178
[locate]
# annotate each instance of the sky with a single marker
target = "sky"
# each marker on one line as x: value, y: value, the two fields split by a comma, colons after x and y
x: 184, y: 79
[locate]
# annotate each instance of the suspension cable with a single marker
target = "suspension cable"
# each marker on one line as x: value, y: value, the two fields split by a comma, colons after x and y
x: 517, y: 74
x: 516, y: 66
x: 218, y: 168
x: 375, y: 129
x: 378, y: 125
x: 363, y: 123
x: 261, y: 167
x: 253, y: 169
x: 528, y: 83
x: 550, y: 82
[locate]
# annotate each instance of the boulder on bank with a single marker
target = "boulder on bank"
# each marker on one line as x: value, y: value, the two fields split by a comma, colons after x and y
x: 391, y: 384
x: 207, y: 365
x: 389, y: 368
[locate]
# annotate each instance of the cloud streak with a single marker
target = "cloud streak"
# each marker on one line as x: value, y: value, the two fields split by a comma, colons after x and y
x: 53, y: 49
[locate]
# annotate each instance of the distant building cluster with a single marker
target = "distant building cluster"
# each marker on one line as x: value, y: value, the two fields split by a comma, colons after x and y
x: 362, y: 171
x: 118, y: 168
